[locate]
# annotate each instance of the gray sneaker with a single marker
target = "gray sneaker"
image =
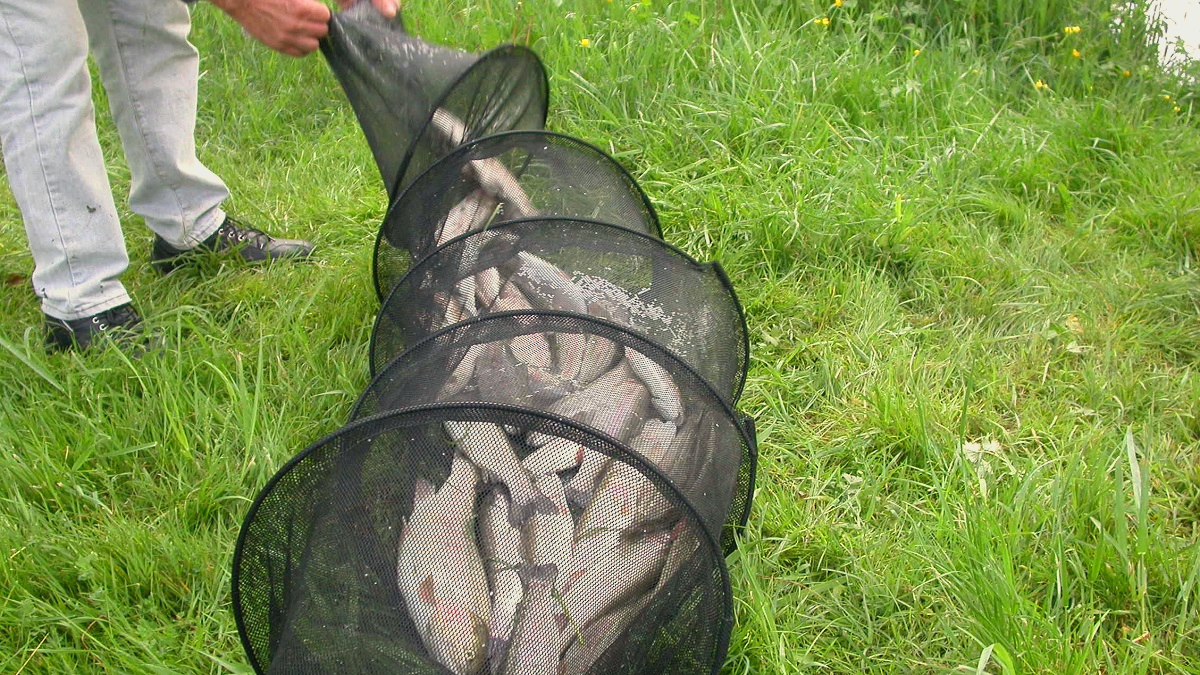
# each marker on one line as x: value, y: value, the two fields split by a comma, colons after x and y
x: 250, y: 244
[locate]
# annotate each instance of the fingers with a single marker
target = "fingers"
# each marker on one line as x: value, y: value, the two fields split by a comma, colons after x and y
x: 386, y: 7
x: 291, y: 27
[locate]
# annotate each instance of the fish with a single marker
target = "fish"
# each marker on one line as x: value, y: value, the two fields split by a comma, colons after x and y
x: 603, y: 393
x: 489, y: 448
x: 654, y: 441
x: 621, y: 420
x: 558, y: 456
x: 491, y: 174
x: 664, y: 393
x: 547, y: 537
x: 599, y: 356
x: 462, y: 373
x: 532, y: 349
x: 533, y: 649
x: 568, y: 353
x: 684, y: 543
x: 499, y: 377
x: 621, y: 575
x: 458, y: 218
x: 500, y: 546
x: 464, y: 293
x: 440, y: 573
x: 546, y: 285
x: 625, y: 503
x: 454, y: 310
x: 590, y: 642
x: 487, y: 286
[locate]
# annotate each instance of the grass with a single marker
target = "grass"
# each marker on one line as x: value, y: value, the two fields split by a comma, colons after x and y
x: 973, y: 299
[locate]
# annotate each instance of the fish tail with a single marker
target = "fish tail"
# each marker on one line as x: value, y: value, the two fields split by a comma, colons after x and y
x: 530, y: 503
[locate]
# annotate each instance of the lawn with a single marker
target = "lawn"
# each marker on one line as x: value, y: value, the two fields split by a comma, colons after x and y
x: 967, y: 242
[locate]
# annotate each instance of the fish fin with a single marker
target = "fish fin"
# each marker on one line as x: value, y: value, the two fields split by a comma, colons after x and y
x: 531, y: 505
x: 533, y: 575
x: 425, y: 591
x: 497, y: 648
x: 423, y: 490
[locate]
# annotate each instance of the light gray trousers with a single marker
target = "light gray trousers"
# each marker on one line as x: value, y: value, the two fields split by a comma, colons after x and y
x: 52, y: 153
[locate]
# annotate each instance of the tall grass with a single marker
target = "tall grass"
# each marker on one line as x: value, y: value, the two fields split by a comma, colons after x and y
x: 973, y: 301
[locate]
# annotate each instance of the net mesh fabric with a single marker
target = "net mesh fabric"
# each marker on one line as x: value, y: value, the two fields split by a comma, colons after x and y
x: 506, y: 176
x: 661, y: 410
x: 607, y: 272
x: 318, y: 589
x: 396, y: 81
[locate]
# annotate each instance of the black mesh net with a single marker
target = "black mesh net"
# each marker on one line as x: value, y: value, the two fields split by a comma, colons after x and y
x: 547, y: 467
x: 635, y: 393
x: 580, y: 266
x: 504, y: 177
x: 384, y: 549
x: 416, y: 101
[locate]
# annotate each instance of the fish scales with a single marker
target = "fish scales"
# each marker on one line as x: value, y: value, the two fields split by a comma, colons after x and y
x: 533, y: 649
x: 500, y: 545
x: 440, y: 573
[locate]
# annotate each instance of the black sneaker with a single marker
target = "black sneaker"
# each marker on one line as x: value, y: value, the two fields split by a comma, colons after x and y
x: 120, y: 324
x: 252, y: 245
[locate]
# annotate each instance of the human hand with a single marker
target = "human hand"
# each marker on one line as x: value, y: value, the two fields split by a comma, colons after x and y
x: 292, y: 27
x: 387, y: 7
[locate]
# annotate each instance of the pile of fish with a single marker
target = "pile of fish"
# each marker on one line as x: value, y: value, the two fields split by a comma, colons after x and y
x: 547, y: 467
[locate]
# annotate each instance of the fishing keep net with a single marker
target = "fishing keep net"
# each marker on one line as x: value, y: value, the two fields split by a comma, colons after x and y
x: 547, y: 467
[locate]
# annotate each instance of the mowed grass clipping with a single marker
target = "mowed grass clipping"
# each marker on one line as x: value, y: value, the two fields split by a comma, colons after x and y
x: 968, y: 259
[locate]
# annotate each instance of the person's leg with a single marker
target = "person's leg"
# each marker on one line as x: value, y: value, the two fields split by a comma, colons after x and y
x: 54, y: 162
x: 149, y: 70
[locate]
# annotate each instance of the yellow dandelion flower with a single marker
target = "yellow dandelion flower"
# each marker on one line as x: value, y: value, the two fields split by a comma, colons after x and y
x: 1126, y: 73
x: 824, y: 21
x: 1166, y: 97
x: 1071, y: 30
x: 916, y: 52
x: 1075, y: 53
x: 1178, y: 109
x: 838, y: 3
x: 585, y: 43
x: 1040, y: 85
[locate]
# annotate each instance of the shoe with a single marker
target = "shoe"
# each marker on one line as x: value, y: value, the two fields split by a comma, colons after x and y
x: 231, y: 237
x: 120, y: 324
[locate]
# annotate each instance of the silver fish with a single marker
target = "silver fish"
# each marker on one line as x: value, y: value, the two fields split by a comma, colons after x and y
x: 621, y: 420
x: 684, y: 543
x: 491, y: 174
x: 546, y: 285
x: 590, y: 642
x: 500, y: 544
x: 654, y: 441
x: 458, y: 219
x: 583, y: 404
x: 440, y: 573
x: 464, y: 293
x: 462, y: 373
x: 547, y: 537
x: 534, y: 646
x: 599, y: 356
x: 568, y: 353
x: 557, y: 456
x: 487, y: 286
x: 499, y: 377
x: 532, y: 349
x: 625, y: 504
x: 622, y: 575
x: 664, y: 392
x: 510, y: 299
x: 454, y: 310
x: 490, y: 449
